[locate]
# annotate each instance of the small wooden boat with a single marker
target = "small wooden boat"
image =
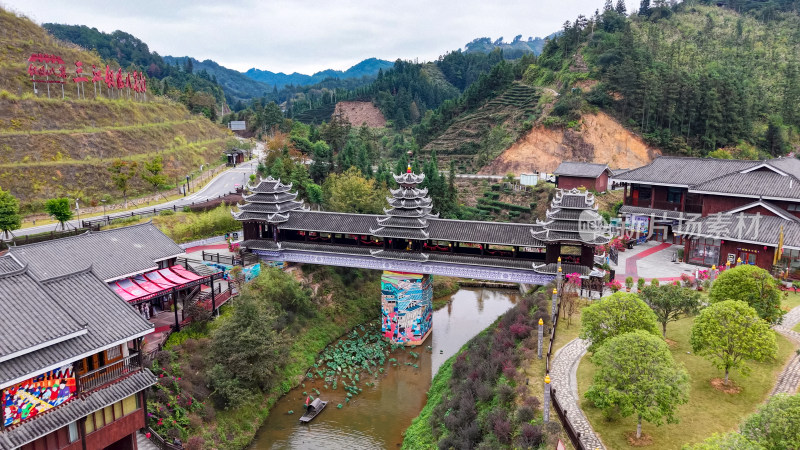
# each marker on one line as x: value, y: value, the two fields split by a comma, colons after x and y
x: 313, y: 409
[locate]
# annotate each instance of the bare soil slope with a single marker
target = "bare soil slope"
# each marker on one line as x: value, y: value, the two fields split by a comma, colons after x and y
x: 358, y: 113
x: 601, y: 140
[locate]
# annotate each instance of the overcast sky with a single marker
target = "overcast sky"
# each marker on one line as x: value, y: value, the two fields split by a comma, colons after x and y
x: 310, y: 35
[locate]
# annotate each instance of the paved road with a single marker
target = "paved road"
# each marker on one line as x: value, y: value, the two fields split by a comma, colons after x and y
x: 222, y: 184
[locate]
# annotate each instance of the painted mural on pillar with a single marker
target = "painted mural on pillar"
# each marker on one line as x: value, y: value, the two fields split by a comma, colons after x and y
x: 406, y: 307
x: 36, y: 395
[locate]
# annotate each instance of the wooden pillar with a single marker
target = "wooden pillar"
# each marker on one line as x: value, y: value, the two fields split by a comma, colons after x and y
x: 683, y: 200
x: 553, y: 252
x: 213, y: 297
x: 516, y: 250
x: 175, y: 306
x: 82, y: 430
x: 652, y: 197
x: 587, y: 256
x: 625, y: 196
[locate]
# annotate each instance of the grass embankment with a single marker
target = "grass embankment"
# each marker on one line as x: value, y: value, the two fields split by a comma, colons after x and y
x: 344, y: 298
x: 63, y: 147
x: 708, y: 410
x: 188, y: 226
x: 443, y: 288
x: 419, y: 434
x: 479, y: 398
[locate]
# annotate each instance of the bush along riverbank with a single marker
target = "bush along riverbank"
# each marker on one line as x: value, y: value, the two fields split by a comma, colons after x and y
x: 219, y: 379
x: 479, y: 398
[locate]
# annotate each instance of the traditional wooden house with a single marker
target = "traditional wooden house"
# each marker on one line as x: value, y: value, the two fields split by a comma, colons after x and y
x: 137, y: 262
x: 71, y: 374
x: 571, y: 175
x: 720, y: 210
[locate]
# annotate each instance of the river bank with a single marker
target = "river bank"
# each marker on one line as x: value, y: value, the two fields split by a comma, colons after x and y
x: 183, y: 407
x: 389, y: 395
x: 480, y: 397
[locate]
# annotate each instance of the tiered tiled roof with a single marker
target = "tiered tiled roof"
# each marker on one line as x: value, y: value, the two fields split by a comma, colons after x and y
x: 410, y: 209
x: 270, y: 202
x: 581, y: 169
x: 572, y: 217
x: 113, y: 254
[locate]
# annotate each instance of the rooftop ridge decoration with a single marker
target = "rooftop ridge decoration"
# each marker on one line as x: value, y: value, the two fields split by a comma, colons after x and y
x: 410, y: 209
x: 270, y: 202
x: 572, y: 217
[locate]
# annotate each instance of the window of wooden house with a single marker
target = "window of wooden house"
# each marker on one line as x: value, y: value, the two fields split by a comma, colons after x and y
x: 113, y: 354
x: 674, y: 195
x: 73, y: 432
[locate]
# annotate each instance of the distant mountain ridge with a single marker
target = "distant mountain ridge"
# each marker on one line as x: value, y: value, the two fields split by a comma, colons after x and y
x: 511, y: 50
x: 368, y: 67
x: 235, y: 84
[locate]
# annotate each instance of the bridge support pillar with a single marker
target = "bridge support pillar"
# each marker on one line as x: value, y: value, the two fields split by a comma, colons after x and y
x: 406, y: 307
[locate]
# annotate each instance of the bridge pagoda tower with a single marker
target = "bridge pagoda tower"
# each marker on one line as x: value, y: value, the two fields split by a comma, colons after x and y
x: 571, y: 231
x: 406, y: 298
x: 267, y: 207
x: 405, y: 224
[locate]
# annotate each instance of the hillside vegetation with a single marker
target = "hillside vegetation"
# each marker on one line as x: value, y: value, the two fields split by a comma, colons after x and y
x: 21, y: 38
x: 689, y: 78
x: 53, y: 147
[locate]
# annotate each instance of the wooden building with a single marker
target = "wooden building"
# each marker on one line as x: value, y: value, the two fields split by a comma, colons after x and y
x: 720, y: 210
x: 68, y: 380
x: 572, y: 175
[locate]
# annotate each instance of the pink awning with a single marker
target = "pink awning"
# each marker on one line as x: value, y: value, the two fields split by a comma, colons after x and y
x: 157, y: 283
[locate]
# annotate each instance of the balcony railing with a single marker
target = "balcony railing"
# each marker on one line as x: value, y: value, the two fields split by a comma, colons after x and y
x: 110, y: 372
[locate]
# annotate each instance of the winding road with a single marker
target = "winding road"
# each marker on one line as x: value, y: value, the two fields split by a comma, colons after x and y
x: 224, y: 183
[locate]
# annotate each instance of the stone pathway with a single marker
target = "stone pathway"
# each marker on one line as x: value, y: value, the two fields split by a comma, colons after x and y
x: 789, y: 377
x: 563, y: 376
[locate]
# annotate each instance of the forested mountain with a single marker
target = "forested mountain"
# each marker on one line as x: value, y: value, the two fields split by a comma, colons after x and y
x: 236, y: 85
x: 511, y: 50
x: 406, y: 91
x: 366, y: 68
x: 691, y: 78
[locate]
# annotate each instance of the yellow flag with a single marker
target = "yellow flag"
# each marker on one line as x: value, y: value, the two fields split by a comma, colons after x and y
x: 779, y: 250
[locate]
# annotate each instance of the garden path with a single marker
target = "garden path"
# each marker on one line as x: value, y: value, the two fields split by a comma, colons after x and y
x: 789, y: 378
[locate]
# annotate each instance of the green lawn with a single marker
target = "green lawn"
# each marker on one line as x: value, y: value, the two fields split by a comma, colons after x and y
x: 708, y: 410
x: 791, y: 300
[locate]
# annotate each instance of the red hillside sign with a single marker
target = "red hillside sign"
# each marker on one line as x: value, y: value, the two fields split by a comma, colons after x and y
x: 51, y: 69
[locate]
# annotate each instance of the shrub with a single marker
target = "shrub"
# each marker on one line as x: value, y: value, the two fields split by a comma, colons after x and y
x: 530, y: 436
x: 525, y: 414
x: 502, y: 429
x: 195, y: 443
x: 505, y: 394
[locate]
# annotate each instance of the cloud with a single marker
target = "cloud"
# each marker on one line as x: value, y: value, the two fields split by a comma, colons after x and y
x: 313, y: 35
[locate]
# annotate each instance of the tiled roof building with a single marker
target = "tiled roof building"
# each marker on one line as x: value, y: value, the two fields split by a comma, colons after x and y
x: 720, y: 210
x: 70, y: 364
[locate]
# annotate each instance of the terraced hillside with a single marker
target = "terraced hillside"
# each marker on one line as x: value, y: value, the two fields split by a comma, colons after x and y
x: 54, y: 147
x: 477, y: 137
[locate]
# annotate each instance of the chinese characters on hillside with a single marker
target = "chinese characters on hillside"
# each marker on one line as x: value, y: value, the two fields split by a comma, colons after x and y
x: 51, y: 69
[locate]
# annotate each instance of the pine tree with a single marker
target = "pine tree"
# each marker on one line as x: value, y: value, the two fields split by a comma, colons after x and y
x: 621, y: 8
